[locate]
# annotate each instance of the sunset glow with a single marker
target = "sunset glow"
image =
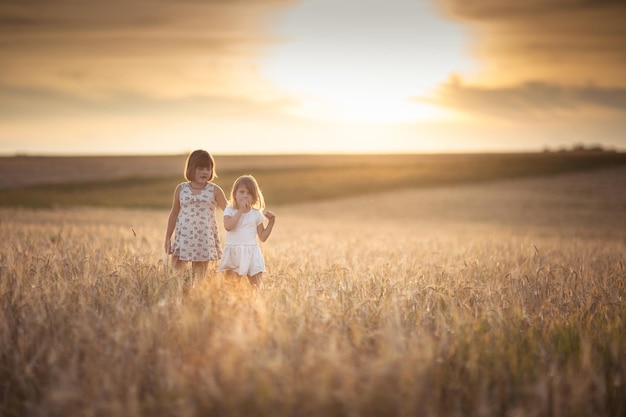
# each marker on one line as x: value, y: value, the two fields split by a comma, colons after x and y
x: 279, y: 76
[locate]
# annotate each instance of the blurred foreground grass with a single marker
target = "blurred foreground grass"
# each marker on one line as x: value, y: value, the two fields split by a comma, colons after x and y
x: 412, y: 314
x: 320, y: 177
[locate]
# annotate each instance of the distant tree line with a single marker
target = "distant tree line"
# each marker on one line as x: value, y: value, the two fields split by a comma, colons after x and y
x: 582, y: 148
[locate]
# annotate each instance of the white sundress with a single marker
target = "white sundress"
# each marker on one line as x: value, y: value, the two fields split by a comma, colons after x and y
x: 242, y: 253
x: 197, y: 237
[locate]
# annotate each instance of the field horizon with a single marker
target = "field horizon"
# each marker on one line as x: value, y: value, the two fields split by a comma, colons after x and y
x: 149, y: 181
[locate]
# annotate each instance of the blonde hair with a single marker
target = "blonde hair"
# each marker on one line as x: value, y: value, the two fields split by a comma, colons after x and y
x: 252, y: 186
x: 199, y: 159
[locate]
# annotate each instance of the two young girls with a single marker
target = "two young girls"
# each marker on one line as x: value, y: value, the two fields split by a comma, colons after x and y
x: 193, y: 218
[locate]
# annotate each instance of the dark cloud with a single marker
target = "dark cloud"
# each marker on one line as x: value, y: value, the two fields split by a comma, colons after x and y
x: 28, y: 22
x: 99, y: 47
x: 41, y: 104
x: 575, y: 41
x: 27, y: 27
x: 497, y: 9
x: 68, y: 15
x: 530, y: 99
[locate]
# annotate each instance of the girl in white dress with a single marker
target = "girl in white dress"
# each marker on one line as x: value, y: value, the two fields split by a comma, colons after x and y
x: 244, y: 221
x: 193, y: 216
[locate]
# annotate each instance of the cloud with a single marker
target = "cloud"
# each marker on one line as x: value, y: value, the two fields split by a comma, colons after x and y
x: 46, y: 105
x: 537, y: 99
x: 496, y: 9
x: 161, y: 47
x: 92, y: 16
x: 572, y: 41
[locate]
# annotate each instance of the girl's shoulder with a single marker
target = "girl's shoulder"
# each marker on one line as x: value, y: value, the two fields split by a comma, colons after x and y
x: 258, y: 214
x: 211, y: 186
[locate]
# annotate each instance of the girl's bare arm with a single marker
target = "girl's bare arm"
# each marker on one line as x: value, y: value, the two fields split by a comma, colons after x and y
x: 171, y: 221
x: 220, y: 197
x: 265, y: 231
x: 230, y: 222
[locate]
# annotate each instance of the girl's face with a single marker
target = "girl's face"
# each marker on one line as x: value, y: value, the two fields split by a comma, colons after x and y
x: 243, y: 197
x: 202, y: 174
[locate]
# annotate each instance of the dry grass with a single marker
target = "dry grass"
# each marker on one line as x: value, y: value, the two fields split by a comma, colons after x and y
x: 506, y: 299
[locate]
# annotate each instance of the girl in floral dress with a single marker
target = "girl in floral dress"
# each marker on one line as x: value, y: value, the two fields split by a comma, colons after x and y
x: 193, y: 216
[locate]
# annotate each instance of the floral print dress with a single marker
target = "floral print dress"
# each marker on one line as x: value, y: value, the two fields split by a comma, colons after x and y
x: 197, y: 236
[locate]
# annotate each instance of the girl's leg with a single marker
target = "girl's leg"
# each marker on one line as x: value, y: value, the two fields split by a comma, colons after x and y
x: 232, y: 279
x: 181, y: 275
x: 211, y: 271
x: 230, y: 274
x: 176, y: 262
x: 256, y: 280
x: 198, y: 270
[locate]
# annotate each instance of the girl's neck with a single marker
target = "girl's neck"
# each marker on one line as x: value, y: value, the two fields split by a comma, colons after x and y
x: 197, y: 185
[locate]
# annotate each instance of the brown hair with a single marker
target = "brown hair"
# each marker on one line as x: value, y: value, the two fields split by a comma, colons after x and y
x: 199, y: 159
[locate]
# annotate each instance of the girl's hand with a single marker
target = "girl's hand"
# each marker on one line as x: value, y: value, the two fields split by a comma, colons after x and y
x: 243, y: 204
x: 270, y: 215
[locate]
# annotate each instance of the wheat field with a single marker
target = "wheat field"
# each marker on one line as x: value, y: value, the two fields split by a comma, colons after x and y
x: 500, y: 299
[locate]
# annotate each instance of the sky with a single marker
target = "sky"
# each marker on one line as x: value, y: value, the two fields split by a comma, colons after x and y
x: 81, y: 77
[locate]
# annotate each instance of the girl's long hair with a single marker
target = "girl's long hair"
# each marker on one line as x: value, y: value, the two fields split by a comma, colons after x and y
x: 248, y: 181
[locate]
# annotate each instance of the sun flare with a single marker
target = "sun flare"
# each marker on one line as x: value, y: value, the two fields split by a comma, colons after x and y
x: 357, y: 69
x: 374, y: 109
